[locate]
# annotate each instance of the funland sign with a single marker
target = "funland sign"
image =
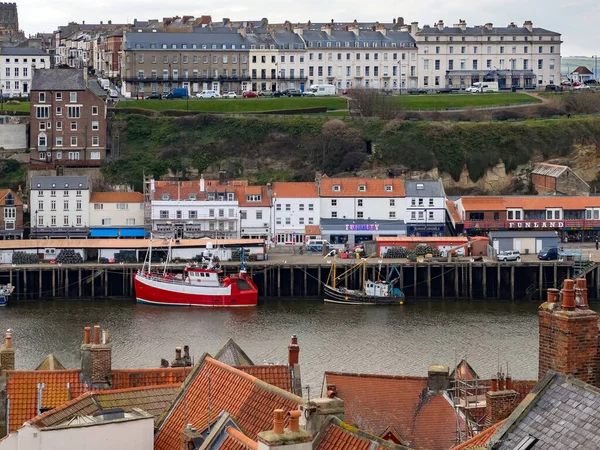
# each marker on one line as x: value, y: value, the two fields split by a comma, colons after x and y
x: 366, y: 227
x: 536, y: 225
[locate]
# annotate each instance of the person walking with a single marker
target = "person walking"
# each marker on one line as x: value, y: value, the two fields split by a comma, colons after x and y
x: 597, y: 244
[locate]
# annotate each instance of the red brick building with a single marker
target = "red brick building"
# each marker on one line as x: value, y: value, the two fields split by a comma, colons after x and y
x: 68, y: 121
x: 11, y: 218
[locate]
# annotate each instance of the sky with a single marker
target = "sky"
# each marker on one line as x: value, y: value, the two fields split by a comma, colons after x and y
x: 576, y: 20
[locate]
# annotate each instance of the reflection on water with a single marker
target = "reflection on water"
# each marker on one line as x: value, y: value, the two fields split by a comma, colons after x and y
x: 392, y: 340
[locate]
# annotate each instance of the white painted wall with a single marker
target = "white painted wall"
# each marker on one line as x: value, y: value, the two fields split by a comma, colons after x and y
x: 117, y: 215
x: 130, y: 435
x: 257, y: 220
x: 15, y: 84
x: 430, y: 212
x: 43, y: 205
x: 372, y: 208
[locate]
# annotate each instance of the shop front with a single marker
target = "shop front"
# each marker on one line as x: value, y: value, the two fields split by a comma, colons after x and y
x: 342, y: 232
x: 426, y: 230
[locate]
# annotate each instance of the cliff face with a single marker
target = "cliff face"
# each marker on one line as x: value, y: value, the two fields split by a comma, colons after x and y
x: 487, y: 157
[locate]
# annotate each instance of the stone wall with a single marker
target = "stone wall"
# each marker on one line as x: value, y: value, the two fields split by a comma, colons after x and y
x: 13, y: 136
x: 570, y: 184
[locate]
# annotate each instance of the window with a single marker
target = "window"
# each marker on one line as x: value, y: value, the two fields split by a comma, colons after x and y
x: 53, y: 205
x: 221, y: 212
x: 420, y: 202
x: 540, y: 64
x: 78, y: 205
x: 52, y: 193
x: 259, y: 215
x: 59, y: 125
x: 164, y: 214
x: 437, y: 64
x: 74, y: 112
x: 59, y: 110
x: 278, y: 206
x: 421, y: 215
x: 41, y: 205
x: 96, y: 143
x: 73, y: 97
x: 430, y: 214
x: 123, y: 206
x: 66, y: 205
x: 58, y: 96
x: 413, y: 215
x: 333, y: 214
x: 73, y: 126
x: 107, y: 221
x: 359, y: 215
x: 42, y: 96
x: 392, y: 215
x: 333, y: 202
x: 42, y: 112
x: 254, y: 198
x: 53, y: 221
x: 392, y: 202
x: 74, y: 141
x: 311, y: 207
x: 95, y: 125
x: 78, y: 193
x: 78, y: 221
x: 98, y: 206
x: 426, y: 64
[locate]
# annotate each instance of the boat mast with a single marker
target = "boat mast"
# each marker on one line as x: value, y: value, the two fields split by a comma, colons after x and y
x: 149, y: 257
x: 364, y: 277
x: 333, y: 280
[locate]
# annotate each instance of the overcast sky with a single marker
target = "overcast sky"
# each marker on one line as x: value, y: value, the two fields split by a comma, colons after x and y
x: 576, y: 20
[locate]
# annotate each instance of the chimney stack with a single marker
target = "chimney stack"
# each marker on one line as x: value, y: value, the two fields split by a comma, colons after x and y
x: 438, y: 378
x: 222, y: 176
x: 568, y: 334
x: 178, y: 361
x: 528, y: 25
x: 440, y: 25
x: 7, y: 353
x: 292, y: 438
x: 293, y: 351
x: 500, y: 400
x: 414, y: 28
x: 96, y: 358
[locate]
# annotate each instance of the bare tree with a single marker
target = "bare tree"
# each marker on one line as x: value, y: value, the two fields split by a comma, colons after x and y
x: 371, y: 103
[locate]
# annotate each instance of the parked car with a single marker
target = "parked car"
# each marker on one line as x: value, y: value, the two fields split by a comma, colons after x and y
x: 316, y: 245
x: 418, y: 91
x: 113, y: 93
x: 553, y: 88
x: 581, y: 87
x: 565, y: 83
x: 591, y: 82
x: 249, y: 94
x: 154, y: 96
x: 575, y: 83
x: 178, y: 93
x: 548, y: 253
x: 230, y: 94
x: 509, y: 255
x: 208, y: 94
x: 447, y: 90
x: 308, y: 94
x: 292, y: 93
x: 276, y: 94
x: 264, y: 93
x: 347, y: 92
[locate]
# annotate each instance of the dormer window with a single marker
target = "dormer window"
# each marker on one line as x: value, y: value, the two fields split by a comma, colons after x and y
x: 420, y: 186
x: 389, y: 188
x: 362, y: 188
x: 165, y: 197
x: 66, y: 185
x: 192, y: 197
x: 53, y: 185
x: 336, y: 188
x: 9, y: 200
x: 253, y: 198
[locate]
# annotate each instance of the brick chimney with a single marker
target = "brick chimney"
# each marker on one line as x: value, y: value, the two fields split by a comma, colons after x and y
x: 293, y: 351
x: 568, y: 333
x: 317, y: 411
x: 292, y: 438
x: 438, y: 378
x: 188, y: 435
x: 500, y: 400
x: 7, y: 353
x: 96, y: 358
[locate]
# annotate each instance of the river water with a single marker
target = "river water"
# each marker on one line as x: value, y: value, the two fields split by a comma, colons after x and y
x: 398, y: 340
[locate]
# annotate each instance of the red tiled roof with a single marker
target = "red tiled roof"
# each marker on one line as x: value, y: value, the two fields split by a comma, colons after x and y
x: 312, y: 230
x: 116, y: 197
x: 481, y: 439
x: 451, y: 208
x: 248, y: 400
x: 349, y: 187
x: 231, y: 444
x: 529, y: 203
x: 21, y: 387
x: 129, y: 378
x: 243, y: 191
x: 238, y: 440
x: 280, y: 376
x: 5, y: 192
x: 22, y: 392
x: 337, y: 435
x: 182, y: 189
x: 376, y: 402
x: 295, y: 190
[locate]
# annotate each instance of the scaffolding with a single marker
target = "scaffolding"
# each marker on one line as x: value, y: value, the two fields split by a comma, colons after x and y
x: 468, y: 396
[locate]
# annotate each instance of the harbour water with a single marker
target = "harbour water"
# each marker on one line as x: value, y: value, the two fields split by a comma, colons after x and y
x: 399, y: 340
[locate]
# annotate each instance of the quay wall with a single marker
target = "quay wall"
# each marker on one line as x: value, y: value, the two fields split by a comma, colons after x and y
x: 434, y: 280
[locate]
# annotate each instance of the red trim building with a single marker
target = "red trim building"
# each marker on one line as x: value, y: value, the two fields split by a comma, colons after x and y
x: 575, y: 218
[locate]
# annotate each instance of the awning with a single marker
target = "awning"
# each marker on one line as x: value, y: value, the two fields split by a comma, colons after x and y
x: 132, y: 232
x: 104, y: 232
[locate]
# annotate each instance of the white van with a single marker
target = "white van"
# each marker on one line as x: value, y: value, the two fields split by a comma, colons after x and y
x: 321, y: 90
x: 316, y: 245
x: 480, y: 87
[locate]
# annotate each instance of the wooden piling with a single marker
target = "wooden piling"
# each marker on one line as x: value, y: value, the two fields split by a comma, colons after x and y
x: 319, y: 280
x: 498, y: 292
x: 105, y: 283
x: 443, y: 281
x: 541, y: 284
x: 414, y: 280
x: 305, y: 281
x: 429, y: 281
x: 265, y: 283
x: 25, y: 284
x: 512, y: 282
x: 291, y: 281
x: 79, y: 287
x: 278, y: 281
x: 556, y: 276
x: 470, y: 281
x: 66, y: 283
x: 53, y: 282
x: 484, y: 280
x: 456, y: 292
x: 40, y: 283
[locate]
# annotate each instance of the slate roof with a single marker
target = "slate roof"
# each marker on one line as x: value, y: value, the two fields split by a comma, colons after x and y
x: 559, y: 412
x: 22, y: 51
x: 50, y: 363
x: 154, y: 400
x: 483, y: 31
x: 337, y: 435
x: 232, y: 354
x: 58, y: 80
x: 222, y: 41
x: 247, y: 399
x: 364, y: 39
x: 59, y: 183
x: 374, y: 403
x: 430, y: 188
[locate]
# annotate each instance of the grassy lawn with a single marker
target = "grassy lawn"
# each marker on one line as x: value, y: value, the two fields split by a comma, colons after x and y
x: 443, y: 101
x: 239, y: 105
x: 21, y: 107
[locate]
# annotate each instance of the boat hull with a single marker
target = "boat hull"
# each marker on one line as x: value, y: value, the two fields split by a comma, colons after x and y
x: 350, y: 297
x: 157, y: 292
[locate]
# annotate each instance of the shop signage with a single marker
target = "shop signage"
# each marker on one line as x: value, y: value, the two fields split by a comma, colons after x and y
x: 366, y: 227
x: 536, y: 225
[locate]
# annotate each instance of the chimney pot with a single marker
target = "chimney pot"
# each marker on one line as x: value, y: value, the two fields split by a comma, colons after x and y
x: 582, y: 293
x: 493, y: 385
x: 293, y: 351
x: 552, y: 295
x: 295, y: 420
x: 500, y: 384
x: 86, y: 335
x: 96, y: 334
x: 8, y: 343
x: 278, y: 416
x: 568, y: 303
x: 509, y: 384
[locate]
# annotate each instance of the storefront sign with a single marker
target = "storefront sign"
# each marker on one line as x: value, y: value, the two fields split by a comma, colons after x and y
x: 367, y: 227
x: 536, y: 224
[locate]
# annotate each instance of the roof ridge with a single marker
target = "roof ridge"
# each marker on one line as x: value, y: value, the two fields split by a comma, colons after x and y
x: 33, y: 371
x: 135, y: 389
x: 152, y: 369
x: 375, y: 375
x: 62, y: 407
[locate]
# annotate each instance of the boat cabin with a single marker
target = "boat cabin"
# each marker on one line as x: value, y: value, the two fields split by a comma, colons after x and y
x: 379, y: 289
x: 204, y: 277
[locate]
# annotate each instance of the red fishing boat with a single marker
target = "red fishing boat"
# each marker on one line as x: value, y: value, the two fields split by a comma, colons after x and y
x: 198, y: 285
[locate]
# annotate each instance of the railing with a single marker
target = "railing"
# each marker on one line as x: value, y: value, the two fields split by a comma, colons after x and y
x: 530, y: 224
x: 198, y: 79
